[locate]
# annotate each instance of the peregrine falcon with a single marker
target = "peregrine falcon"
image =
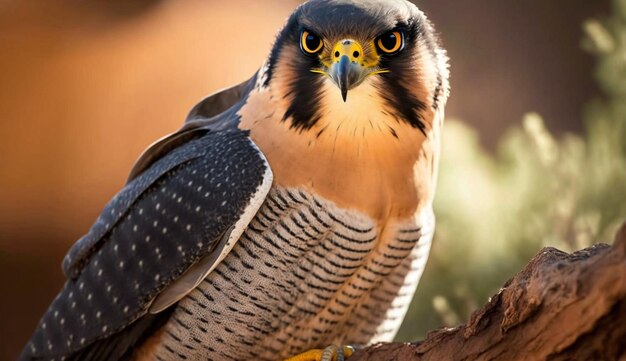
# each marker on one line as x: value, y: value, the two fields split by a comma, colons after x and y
x: 290, y: 213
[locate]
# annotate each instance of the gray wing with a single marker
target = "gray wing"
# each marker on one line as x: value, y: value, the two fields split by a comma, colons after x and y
x: 188, y: 206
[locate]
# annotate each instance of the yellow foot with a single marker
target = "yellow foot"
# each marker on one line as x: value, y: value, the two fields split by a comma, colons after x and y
x: 330, y: 353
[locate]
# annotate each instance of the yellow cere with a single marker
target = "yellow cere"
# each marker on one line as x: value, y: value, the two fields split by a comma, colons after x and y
x: 354, y: 50
x: 348, y: 47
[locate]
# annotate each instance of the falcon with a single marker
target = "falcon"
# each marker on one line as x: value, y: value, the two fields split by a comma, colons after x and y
x: 290, y: 216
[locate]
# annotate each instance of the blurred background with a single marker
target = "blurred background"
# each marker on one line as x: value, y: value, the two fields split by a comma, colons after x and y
x: 534, y: 147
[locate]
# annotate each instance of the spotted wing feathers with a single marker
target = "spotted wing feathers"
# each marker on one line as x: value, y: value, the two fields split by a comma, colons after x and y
x: 165, y: 221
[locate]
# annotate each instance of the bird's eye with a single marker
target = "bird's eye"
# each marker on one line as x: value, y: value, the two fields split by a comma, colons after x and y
x: 310, y: 43
x: 390, y: 42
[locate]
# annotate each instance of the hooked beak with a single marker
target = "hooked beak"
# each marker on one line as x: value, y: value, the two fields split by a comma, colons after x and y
x: 347, y: 75
x: 348, y: 67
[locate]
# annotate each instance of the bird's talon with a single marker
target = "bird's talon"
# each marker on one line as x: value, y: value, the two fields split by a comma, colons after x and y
x: 330, y: 353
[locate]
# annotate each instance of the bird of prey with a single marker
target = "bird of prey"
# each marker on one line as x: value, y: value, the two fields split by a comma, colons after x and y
x: 290, y: 216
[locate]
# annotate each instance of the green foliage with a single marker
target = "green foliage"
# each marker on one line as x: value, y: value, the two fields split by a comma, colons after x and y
x: 495, y: 212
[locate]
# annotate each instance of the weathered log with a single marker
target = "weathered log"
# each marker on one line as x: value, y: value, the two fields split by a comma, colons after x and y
x: 559, y: 307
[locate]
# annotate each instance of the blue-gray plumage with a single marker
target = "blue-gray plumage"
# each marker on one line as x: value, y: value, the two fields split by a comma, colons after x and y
x: 293, y: 211
x: 160, y: 224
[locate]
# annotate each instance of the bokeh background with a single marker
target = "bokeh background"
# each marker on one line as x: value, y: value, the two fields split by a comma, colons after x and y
x: 534, y: 148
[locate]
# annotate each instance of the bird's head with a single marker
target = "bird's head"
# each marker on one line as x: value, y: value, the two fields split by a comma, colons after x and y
x: 348, y: 58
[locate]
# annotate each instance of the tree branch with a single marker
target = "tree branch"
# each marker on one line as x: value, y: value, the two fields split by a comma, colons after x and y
x: 559, y: 307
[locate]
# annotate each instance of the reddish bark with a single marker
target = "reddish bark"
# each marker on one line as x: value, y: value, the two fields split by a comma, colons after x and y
x: 559, y: 307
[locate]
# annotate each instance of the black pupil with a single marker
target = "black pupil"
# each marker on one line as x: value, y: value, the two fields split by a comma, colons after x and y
x: 389, y: 41
x: 312, y: 42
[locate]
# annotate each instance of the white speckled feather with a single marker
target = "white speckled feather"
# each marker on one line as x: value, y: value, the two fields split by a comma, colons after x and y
x: 196, y: 274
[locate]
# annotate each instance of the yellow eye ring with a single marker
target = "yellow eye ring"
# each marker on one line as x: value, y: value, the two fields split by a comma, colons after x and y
x: 310, y: 43
x: 390, y: 42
